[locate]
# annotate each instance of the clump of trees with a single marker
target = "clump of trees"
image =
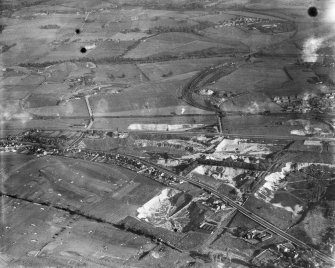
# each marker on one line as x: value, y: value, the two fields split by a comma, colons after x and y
x: 184, y: 28
x: 5, y: 48
x: 50, y: 26
x: 132, y: 30
x: 167, y: 74
x: 2, y: 27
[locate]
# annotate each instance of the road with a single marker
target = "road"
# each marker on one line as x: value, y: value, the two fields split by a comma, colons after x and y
x: 213, y: 74
x: 261, y: 221
x: 77, y: 140
x: 89, y: 111
x: 240, y: 136
x: 283, y: 115
x: 220, y: 228
x: 241, y: 209
x: 210, y: 134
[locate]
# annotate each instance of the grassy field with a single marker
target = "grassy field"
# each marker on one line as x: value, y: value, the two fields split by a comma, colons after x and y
x: 71, y: 124
x: 28, y: 227
x: 162, y: 70
x: 257, y: 83
x: 88, y: 240
x: 252, y: 78
x: 65, y: 212
x: 97, y: 189
x: 175, y: 43
x: 10, y: 162
x: 50, y: 236
x: 104, y: 144
x: 71, y: 108
x: 259, y: 125
x: 126, y: 74
x: 250, y: 103
x: 246, y: 41
x: 309, y: 157
x: 277, y: 216
x: 145, y: 96
x: 158, y: 84
x: 312, y: 228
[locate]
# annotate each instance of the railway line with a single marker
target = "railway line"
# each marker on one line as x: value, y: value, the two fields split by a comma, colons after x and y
x: 239, y: 207
x: 261, y: 221
x: 207, y: 76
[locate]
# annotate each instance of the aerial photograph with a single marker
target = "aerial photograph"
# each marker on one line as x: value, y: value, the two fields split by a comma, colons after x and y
x: 167, y: 133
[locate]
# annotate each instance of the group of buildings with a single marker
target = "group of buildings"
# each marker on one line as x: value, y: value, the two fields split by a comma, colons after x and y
x: 240, y: 21
x: 255, y: 236
x: 252, y: 23
x: 285, y: 255
x: 306, y: 103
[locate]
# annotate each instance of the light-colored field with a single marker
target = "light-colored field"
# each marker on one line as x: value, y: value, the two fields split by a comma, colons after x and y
x: 282, y: 48
x: 118, y: 73
x: 215, y: 18
x: 257, y: 125
x: 11, y: 162
x: 279, y: 216
x: 144, y: 96
x: 35, y: 91
x: 71, y: 108
x: 252, y: 77
x: 253, y: 41
x: 250, y: 103
x: 174, y: 43
x: 163, y: 70
x: 27, y: 227
x: 81, y: 200
x: 35, y: 235
x: 151, y: 98
x: 23, y: 123
x: 27, y: 42
x: 87, y: 240
x: 82, y: 185
x: 128, y: 36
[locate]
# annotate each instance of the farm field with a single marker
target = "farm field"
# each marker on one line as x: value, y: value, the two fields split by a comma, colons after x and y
x: 152, y: 97
x: 80, y: 185
x: 70, y: 109
x: 154, y: 133
x: 270, y: 125
x: 49, y: 236
x: 163, y: 70
x: 175, y: 43
x: 54, y: 124
x: 254, y: 79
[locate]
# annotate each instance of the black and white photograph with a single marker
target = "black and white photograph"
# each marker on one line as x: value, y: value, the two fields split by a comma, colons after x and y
x: 167, y: 133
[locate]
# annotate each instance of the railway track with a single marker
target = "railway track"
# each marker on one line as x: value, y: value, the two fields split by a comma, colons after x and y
x: 203, y: 78
x: 261, y: 221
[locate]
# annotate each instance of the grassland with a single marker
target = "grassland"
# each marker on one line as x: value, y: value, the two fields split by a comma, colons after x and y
x: 80, y: 185
x: 177, y: 43
x: 163, y: 70
x: 65, y: 211
x: 129, y: 34
x: 154, y: 99
x: 49, y: 236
